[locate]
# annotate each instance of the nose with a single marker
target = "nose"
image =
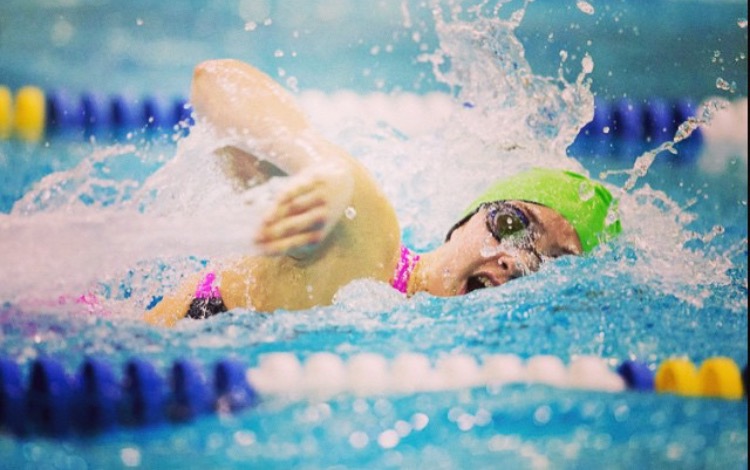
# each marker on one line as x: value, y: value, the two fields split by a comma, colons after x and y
x: 513, y: 265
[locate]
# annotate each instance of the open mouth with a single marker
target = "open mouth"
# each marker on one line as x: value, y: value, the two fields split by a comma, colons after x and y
x: 480, y: 281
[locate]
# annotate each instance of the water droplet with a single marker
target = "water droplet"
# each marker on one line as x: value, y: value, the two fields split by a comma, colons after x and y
x: 686, y: 129
x: 131, y: 456
x: 585, y: 191
x: 742, y: 22
x: 292, y: 83
x: 358, y: 440
x: 489, y: 249
x: 587, y: 64
x: 419, y: 421
x: 244, y: 438
x: 139, y: 21
x: 605, y: 130
x: 612, y: 217
x: 278, y: 53
x: 715, y: 231
x: 388, y: 439
x: 722, y: 84
x: 542, y: 415
x: 350, y: 213
x: 251, y: 26
x: 585, y: 7
x: 403, y: 428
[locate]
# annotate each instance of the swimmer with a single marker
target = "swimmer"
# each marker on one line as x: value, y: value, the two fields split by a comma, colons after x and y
x: 310, y: 249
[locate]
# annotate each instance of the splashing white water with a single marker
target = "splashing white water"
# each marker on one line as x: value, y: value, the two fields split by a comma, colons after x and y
x: 432, y: 154
x: 75, y: 228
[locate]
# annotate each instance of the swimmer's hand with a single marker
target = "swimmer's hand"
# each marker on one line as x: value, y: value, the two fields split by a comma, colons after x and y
x: 306, y: 211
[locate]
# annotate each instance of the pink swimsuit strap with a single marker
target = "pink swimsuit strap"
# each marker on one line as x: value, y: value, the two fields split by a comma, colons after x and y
x: 404, y: 268
x: 206, y: 288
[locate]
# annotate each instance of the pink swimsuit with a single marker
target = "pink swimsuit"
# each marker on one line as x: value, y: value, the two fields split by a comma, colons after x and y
x: 404, y: 268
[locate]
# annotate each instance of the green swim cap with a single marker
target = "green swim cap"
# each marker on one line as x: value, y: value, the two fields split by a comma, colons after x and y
x: 583, y: 202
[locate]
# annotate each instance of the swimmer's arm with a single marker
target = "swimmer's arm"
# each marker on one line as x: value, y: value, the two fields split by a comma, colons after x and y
x: 173, y: 307
x: 251, y: 112
x: 254, y: 114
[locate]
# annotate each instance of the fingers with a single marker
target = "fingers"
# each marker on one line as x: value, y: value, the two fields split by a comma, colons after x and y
x: 294, y: 231
x: 302, y: 216
x: 302, y: 202
x: 295, y: 243
x: 308, y: 221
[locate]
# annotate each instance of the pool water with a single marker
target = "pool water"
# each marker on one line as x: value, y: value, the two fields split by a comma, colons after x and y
x: 674, y: 284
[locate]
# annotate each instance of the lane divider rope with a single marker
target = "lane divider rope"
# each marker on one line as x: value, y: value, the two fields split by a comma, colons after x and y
x: 95, y: 400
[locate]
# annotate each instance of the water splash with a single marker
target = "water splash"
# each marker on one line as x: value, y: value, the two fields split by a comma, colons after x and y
x: 502, y: 118
x: 499, y: 118
x: 657, y: 228
x: 78, y: 230
x: 644, y: 162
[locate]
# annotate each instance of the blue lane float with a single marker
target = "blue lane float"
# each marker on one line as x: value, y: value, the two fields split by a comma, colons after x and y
x: 637, y: 375
x: 143, y: 394
x: 52, y: 403
x: 95, y: 114
x: 12, y: 397
x: 97, y: 398
x: 233, y: 391
x: 191, y: 395
x: 48, y: 398
x: 627, y: 128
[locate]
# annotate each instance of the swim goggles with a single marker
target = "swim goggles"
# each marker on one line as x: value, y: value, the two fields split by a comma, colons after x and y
x: 509, y: 224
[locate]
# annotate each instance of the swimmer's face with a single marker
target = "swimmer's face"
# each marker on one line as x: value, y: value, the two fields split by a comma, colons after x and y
x: 503, y: 241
